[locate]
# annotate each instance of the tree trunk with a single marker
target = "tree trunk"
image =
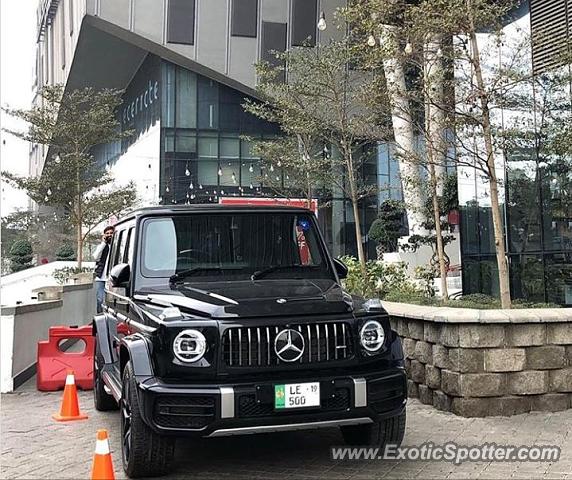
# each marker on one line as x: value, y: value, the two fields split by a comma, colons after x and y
x: 79, y: 221
x: 403, y: 131
x: 354, y: 198
x: 504, y: 284
x: 434, y: 142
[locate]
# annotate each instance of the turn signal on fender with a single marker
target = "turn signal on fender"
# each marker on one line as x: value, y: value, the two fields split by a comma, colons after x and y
x: 102, y: 468
x: 70, y: 404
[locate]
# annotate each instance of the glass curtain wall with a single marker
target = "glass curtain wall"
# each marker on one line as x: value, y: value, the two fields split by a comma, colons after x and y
x: 206, y: 153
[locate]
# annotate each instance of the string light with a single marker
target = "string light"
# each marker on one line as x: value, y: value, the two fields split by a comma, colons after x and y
x: 233, y: 178
x: 49, y: 192
x: 271, y: 167
x: 322, y: 25
x: 251, y: 168
x: 191, y: 186
x: 220, y: 172
x: 187, y: 172
x: 371, y: 41
x: 408, y: 48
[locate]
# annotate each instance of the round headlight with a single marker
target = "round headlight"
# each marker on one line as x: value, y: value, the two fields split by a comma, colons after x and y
x: 189, y: 346
x: 372, y: 336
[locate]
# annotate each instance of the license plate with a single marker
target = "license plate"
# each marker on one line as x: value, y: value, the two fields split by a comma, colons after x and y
x: 297, y: 395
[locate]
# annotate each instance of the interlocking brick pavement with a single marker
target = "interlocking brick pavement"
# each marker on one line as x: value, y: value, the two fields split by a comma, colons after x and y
x: 33, y: 446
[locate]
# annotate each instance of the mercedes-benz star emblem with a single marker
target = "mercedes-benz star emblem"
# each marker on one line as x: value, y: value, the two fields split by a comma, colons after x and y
x: 289, y: 345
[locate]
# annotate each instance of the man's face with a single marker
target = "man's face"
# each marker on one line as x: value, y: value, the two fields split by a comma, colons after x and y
x: 108, y: 235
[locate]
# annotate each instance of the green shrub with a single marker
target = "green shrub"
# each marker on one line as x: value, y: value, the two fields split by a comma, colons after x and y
x: 380, y: 279
x: 21, y: 255
x: 66, y: 253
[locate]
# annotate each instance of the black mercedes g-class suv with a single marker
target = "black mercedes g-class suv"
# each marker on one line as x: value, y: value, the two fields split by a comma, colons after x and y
x: 229, y: 320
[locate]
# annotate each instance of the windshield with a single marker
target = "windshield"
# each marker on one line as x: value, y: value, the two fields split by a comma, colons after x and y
x: 209, y: 247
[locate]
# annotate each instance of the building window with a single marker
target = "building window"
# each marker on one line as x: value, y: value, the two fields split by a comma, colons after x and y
x: 273, y: 40
x: 304, y: 21
x: 70, y: 15
x: 181, y: 22
x: 244, y: 18
x: 63, y: 37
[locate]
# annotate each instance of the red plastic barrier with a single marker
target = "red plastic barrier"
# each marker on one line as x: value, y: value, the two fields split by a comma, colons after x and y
x: 53, y: 364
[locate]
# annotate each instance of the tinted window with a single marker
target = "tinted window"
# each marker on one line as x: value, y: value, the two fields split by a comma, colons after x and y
x: 130, y: 246
x: 244, y: 18
x: 273, y: 40
x: 181, y: 21
x: 211, y: 247
x: 304, y: 21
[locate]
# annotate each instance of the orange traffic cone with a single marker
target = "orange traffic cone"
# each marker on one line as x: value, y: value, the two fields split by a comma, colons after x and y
x: 70, y: 406
x: 102, y: 468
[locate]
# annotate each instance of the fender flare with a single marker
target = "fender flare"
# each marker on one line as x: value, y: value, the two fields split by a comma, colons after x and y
x: 102, y: 336
x: 137, y: 349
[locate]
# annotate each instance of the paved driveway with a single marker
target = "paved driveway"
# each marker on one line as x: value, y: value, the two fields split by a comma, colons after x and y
x: 34, y: 446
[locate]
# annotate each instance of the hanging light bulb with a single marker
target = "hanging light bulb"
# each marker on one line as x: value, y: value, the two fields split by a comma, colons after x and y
x: 279, y: 163
x: 214, y: 191
x: 188, y: 195
x: 46, y: 198
x: 124, y: 201
x: 192, y: 196
x: 322, y: 22
x: 222, y: 192
x: 439, y: 52
x: 287, y: 177
x: 233, y: 178
x: 167, y: 189
x: 277, y: 178
x: 371, y: 41
x: 251, y: 168
x: 49, y: 192
x: 58, y: 159
x: 251, y: 186
x: 191, y: 186
x: 220, y: 172
x: 200, y: 186
x: 408, y: 48
x: 271, y: 167
x: 187, y: 172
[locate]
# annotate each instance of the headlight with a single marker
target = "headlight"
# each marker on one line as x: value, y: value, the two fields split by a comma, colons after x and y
x: 189, y: 346
x: 372, y: 336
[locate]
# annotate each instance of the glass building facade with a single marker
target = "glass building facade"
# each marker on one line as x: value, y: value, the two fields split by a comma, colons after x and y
x: 206, y: 154
x: 536, y: 186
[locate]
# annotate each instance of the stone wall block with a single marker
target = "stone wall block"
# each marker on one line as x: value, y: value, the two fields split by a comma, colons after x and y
x: 442, y: 401
x: 425, y: 395
x: 561, y: 380
x: 432, y: 377
x: 547, y: 357
x: 559, y: 333
x: 481, y: 336
x: 424, y: 352
x: 505, y: 359
x: 482, y: 384
x: 529, y: 382
x: 450, y: 382
x: 415, y: 328
x: 409, y: 347
x: 441, y: 357
x: 526, y: 335
x: 432, y: 332
x: 550, y: 402
x: 417, y: 371
x: 412, y: 389
x: 466, y: 360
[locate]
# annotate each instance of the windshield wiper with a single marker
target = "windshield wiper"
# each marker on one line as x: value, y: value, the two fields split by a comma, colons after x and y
x: 191, y: 271
x: 274, y: 268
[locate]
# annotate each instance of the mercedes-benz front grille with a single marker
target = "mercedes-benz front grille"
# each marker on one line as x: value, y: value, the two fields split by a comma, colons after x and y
x: 255, y: 346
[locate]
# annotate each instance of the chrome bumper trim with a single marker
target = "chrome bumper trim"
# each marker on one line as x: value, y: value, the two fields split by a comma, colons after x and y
x: 226, y: 402
x: 225, y: 432
x: 360, y: 392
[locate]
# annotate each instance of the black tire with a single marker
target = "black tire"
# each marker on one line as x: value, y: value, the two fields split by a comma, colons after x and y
x: 384, y: 432
x: 144, y: 453
x: 102, y: 400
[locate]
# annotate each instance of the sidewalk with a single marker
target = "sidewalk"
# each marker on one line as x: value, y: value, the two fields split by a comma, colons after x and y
x: 34, y: 446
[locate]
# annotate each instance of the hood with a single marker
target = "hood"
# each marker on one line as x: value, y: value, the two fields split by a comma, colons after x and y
x: 262, y: 298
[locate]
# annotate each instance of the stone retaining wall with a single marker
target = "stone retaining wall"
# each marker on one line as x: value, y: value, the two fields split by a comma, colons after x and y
x: 478, y: 363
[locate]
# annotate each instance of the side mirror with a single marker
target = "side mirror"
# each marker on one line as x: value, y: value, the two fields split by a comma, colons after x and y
x: 120, y: 275
x: 341, y: 268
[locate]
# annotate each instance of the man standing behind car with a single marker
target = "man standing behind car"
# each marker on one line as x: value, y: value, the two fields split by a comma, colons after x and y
x: 100, y: 257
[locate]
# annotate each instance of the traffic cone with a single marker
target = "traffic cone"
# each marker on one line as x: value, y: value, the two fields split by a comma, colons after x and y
x: 70, y: 405
x: 102, y: 468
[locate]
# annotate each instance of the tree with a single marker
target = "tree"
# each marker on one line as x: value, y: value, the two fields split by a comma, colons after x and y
x: 71, y: 124
x: 65, y: 253
x: 21, y: 255
x: 388, y: 227
x: 324, y: 104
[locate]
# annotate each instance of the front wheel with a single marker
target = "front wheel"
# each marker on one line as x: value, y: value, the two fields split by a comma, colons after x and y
x: 144, y: 452
x: 380, y: 434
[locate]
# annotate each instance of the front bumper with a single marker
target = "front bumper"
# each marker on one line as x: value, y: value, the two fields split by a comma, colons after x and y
x: 243, y: 408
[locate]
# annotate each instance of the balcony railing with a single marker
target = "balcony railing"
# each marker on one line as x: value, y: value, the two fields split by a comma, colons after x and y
x: 46, y: 12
